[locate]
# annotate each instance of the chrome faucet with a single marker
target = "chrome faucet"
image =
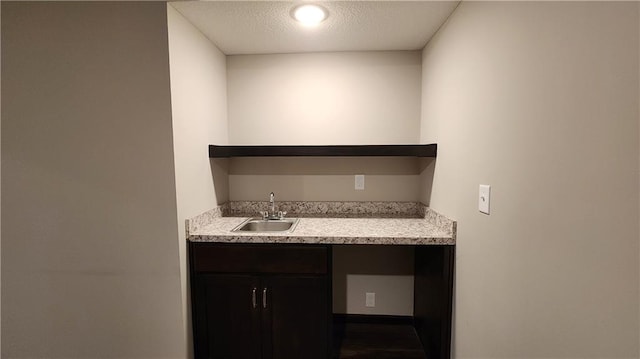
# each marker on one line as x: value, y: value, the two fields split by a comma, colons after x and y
x: 272, y: 204
x: 271, y: 212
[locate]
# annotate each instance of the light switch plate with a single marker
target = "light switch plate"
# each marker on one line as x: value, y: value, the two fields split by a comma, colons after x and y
x: 360, y: 182
x: 484, y: 198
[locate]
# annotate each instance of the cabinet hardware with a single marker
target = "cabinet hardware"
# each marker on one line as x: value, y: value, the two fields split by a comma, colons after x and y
x: 264, y: 298
x: 254, y: 300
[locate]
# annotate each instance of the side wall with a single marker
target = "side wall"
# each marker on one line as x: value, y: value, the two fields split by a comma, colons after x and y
x: 199, y: 108
x: 0, y: 181
x: 540, y: 101
x: 90, y: 264
x: 332, y: 98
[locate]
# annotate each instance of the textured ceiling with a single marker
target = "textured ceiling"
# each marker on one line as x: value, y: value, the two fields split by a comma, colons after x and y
x: 265, y: 27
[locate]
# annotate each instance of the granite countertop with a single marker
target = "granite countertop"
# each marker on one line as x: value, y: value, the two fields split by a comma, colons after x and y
x: 390, y: 223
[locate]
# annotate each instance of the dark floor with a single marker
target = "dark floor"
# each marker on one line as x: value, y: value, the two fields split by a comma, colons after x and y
x: 377, y: 341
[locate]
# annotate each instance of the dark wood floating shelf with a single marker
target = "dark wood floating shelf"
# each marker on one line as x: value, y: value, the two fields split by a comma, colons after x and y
x: 430, y: 150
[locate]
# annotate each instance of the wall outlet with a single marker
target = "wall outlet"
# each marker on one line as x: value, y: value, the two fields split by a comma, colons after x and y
x: 360, y: 182
x: 370, y: 300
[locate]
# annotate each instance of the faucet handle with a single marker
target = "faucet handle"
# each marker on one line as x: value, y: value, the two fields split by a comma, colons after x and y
x: 265, y: 214
x: 281, y: 214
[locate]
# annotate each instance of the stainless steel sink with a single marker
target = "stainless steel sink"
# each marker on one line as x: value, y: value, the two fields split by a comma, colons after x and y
x: 267, y: 225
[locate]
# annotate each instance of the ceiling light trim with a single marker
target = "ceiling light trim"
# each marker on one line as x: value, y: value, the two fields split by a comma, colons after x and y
x: 309, y: 15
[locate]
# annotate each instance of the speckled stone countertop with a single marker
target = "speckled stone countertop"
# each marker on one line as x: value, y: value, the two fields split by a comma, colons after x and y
x: 389, y: 223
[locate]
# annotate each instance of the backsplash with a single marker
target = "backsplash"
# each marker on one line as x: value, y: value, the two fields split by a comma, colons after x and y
x: 193, y: 224
x: 328, y: 209
x: 438, y: 220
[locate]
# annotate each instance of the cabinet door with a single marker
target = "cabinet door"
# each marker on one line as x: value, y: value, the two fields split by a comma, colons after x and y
x: 296, y: 317
x: 227, y: 323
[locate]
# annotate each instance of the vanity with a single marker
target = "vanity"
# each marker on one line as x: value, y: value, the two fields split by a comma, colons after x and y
x: 268, y: 294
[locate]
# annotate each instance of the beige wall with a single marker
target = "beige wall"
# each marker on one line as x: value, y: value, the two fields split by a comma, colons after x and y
x: 0, y: 181
x: 386, y: 271
x: 332, y: 98
x: 324, y: 98
x: 539, y: 100
x: 199, y: 109
x: 324, y: 178
x: 90, y: 264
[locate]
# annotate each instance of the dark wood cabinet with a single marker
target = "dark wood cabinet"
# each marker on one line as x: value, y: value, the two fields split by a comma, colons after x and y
x: 273, y: 301
x: 273, y: 306
x: 296, y: 318
x: 227, y: 324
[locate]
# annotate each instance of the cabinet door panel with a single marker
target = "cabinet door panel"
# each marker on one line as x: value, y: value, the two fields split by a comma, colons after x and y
x: 232, y: 322
x: 295, y: 320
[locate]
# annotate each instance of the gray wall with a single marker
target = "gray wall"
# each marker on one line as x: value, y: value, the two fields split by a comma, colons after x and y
x: 539, y: 100
x: 199, y: 108
x: 324, y: 98
x: 90, y: 264
x: 0, y: 177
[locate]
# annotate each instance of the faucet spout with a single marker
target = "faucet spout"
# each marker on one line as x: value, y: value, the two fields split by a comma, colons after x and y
x: 272, y: 204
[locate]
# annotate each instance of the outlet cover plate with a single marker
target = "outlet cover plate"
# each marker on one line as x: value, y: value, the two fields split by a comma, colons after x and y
x: 360, y: 182
x: 370, y: 300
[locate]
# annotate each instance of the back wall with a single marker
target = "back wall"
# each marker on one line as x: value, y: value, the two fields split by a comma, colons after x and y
x: 327, y: 99
x: 348, y: 98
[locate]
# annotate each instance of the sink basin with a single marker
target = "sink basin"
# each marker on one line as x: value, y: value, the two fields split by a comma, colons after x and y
x: 267, y: 225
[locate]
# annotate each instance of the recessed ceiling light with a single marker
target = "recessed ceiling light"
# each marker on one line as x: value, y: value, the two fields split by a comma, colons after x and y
x: 309, y: 14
